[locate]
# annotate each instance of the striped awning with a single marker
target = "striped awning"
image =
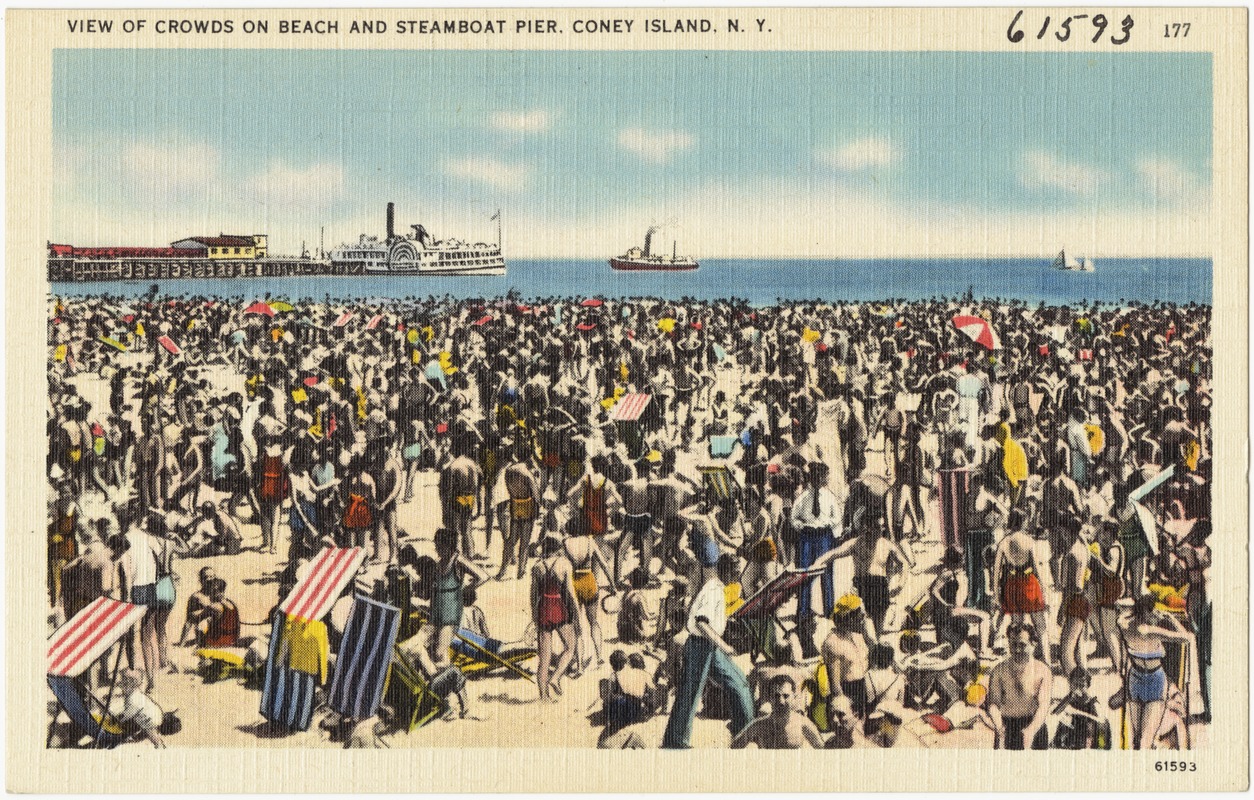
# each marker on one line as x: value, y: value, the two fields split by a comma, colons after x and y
x: 630, y: 407
x: 77, y: 644
x: 313, y: 596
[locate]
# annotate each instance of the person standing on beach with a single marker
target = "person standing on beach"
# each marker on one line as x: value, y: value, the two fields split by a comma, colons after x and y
x: 522, y: 509
x: 816, y: 517
x: 459, y: 487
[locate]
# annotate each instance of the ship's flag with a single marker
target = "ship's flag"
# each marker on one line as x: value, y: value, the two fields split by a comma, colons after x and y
x: 374, y: 322
x: 343, y: 320
x: 169, y: 345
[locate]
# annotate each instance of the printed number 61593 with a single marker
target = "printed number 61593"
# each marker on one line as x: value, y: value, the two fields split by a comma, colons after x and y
x: 1175, y: 766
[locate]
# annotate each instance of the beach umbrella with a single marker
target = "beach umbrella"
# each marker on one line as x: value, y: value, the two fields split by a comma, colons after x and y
x: 114, y: 343
x: 592, y: 302
x: 484, y: 320
x: 521, y: 309
x: 311, y: 381
x: 584, y: 326
x: 169, y: 345
x: 128, y: 318
x: 810, y: 335
x: 374, y: 322
x: 343, y: 319
x: 282, y: 305
x: 667, y: 324
x: 260, y: 308
x: 977, y: 330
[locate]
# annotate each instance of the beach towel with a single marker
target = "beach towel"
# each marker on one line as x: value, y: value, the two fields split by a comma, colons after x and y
x: 286, y: 695
x: 365, y: 654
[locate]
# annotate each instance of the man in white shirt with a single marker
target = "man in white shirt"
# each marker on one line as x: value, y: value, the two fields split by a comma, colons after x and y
x: 816, y: 517
x: 706, y: 655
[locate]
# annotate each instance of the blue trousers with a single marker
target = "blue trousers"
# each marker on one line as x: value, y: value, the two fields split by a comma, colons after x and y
x: 702, y: 660
x: 812, y: 543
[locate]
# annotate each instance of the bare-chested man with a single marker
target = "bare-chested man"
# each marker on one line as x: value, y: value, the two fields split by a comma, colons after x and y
x: 847, y: 655
x: 1016, y: 582
x: 389, y: 479
x: 1018, y: 695
x: 522, y: 510
x: 459, y: 494
x: 637, y: 521
x: 785, y: 728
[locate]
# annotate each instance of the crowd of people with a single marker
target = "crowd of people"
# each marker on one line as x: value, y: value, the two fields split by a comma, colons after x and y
x: 975, y: 526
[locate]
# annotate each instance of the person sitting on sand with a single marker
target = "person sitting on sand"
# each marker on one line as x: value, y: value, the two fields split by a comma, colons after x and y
x: 785, y: 728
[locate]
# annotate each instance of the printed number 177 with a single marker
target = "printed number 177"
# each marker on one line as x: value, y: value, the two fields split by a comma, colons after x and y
x: 1176, y: 30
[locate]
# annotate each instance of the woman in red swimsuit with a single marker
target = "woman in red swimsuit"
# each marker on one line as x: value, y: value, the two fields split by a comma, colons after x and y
x: 553, y: 611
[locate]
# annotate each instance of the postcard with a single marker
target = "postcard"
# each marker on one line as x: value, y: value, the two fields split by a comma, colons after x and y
x: 597, y: 399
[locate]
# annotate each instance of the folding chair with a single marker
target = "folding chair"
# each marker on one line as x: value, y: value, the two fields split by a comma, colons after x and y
x: 757, y: 617
x: 410, y: 693
x: 87, y: 714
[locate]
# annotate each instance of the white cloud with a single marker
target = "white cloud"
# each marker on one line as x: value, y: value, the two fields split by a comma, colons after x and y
x: 490, y: 171
x: 1041, y: 170
x: 534, y: 121
x: 657, y: 147
x: 315, y: 186
x: 869, y: 152
x: 823, y: 219
x: 167, y: 172
x: 1167, y: 181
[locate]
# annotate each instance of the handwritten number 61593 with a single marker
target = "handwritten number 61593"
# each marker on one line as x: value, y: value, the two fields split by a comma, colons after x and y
x: 1062, y: 31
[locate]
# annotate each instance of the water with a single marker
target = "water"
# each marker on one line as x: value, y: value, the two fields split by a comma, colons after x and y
x: 760, y: 282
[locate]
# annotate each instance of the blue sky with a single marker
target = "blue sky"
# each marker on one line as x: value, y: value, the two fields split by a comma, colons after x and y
x: 742, y: 153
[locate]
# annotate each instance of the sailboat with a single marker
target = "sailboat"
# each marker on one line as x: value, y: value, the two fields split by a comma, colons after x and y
x: 1071, y: 264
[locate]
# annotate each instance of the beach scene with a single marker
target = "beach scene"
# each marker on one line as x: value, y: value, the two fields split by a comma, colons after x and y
x: 551, y: 399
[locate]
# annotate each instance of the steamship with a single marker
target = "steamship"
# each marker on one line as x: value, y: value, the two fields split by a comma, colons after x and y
x: 418, y: 253
x: 636, y: 259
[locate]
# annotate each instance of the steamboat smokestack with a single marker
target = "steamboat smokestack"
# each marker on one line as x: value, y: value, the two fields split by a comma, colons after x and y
x: 391, y: 221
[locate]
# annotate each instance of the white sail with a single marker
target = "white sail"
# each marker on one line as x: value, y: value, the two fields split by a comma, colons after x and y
x: 1066, y: 262
x: 1086, y: 264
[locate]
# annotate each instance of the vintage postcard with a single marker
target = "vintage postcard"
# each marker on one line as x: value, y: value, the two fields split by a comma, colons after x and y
x: 610, y: 399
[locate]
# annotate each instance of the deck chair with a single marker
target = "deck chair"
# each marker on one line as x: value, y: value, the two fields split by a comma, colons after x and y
x: 755, y: 621
x: 409, y: 693
x: 87, y: 714
x: 720, y: 480
x: 477, y: 656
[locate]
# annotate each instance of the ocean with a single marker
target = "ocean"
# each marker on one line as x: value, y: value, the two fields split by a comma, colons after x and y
x: 760, y: 282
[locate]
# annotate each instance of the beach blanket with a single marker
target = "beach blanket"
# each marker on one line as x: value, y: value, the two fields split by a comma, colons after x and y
x: 287, y: 696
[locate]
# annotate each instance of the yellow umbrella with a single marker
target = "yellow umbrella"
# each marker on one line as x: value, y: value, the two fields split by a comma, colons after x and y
x: 810, y: 335
x: 282, y: 305
x: 666, y: 324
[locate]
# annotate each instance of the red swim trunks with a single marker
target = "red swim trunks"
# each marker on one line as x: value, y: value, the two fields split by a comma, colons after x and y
x: 1022, y: 594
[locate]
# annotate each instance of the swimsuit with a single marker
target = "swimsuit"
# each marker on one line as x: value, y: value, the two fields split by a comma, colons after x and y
x: 552, y: 613
x: 357, y: 515
x: 638, y: 524
x: 523, y: 508
x: 1077, y: 606
x: 586, y: 588
x: 594, y: 516
x: 1015, y: 727
x: 466, y: 501
x: 446, y: 602
x: 1021, y: 593
x: 273, y: 487
x: 1147, y: 686
x: 858, y: 698
x: 223, y: 631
